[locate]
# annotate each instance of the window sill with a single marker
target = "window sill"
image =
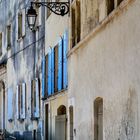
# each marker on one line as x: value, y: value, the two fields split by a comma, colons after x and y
x: 118, y: 10
x: 20, y: 38
x: 56, y: 94
x: 8, y: 47
x: 34, y: 118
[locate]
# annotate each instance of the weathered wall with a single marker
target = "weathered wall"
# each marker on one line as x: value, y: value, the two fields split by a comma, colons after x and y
x: 54, y: 103
x: 106, y: 64
x: 55, y: 27
x: 22, y: 65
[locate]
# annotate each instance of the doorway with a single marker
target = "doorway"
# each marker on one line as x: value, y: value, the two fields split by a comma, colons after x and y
x: 98, y: 119
x: 46, y: 122
x: 61, y: 124
x: 71, y: 122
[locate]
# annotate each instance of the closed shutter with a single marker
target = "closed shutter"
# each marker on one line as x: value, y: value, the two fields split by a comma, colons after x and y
x: 37, y: 98
x: 10, y: 104
x: 65, y: 62
x: 30, y: 99
x: 60, y: 65
x: 43, y: 77
x: 23, y: 22
x: 17, y: 103
x: 49, y: 74
x: 17, y: 26
x: 52, y: 70
x: 23, y: 115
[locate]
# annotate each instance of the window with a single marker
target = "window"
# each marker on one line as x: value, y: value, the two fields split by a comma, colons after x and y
x: 35, y: 98
x: 76, y: 22
x: 56, y: 68
x: 20, y: 22
x: 0, y: 43
x: 110, y: 6
x: 8, y: 36
x: 98, y: 119
x: 19, y: 26
x: 21, y: 101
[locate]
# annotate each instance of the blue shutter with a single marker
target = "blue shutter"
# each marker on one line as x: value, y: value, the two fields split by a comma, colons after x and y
x: 10, y: 104
x: 49, y: 74
x: 52, y: 70
x: 17, y: 102
x: 43, y: 77
x: 23, y: 92
x: 65, y: 62
x: 37, y: 98
x: 60, y: 65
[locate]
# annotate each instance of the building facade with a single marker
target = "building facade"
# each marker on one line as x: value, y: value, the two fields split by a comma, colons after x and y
x: 75, y: 77
x: 21, y: 54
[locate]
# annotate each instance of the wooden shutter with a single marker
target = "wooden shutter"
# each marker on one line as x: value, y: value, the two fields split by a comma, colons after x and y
x: 65, y: 62
x: 23, y: 115
x: 10, y: 104
x: 17, y: 102
x: 49, y: 74
x: 33, y: 98
x: 30, y: 99
x: 52, y: 70
x: 23, y: 22
x: 60, y: 65
x: 56, y: 68
x: 43, y: 77
x: 46, y: 72
x: 16, y: 26
x: 37, y: 98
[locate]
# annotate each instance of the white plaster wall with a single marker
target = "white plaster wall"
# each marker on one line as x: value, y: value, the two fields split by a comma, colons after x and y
x: 107, y: 65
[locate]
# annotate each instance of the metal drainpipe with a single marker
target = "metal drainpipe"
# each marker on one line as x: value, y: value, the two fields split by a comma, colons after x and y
x: 34, y: 53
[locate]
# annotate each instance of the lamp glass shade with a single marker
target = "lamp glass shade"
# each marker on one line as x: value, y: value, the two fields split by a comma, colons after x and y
x: 31, y: 17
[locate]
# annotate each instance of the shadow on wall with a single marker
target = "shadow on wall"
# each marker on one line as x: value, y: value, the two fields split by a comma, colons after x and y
x: 27, y: 135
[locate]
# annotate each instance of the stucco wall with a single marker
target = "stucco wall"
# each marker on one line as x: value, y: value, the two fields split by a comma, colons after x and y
x: 23, y: 61
x: 106, y: 64
x: 55, y: 27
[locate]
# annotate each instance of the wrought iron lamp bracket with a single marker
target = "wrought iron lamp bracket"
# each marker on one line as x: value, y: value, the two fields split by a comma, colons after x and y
x: 59, y: 8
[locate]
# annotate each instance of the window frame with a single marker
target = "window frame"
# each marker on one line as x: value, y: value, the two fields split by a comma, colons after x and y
x: 9, y: 36
x: 75, y: 23
x: 35, y: 101
x: 1, y: 42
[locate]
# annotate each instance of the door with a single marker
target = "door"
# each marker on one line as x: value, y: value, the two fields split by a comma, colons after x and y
x: 47, y: 122
x: 60, y: 127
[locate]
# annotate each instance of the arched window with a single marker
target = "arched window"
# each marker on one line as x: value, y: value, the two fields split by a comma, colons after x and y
x: 98, y: 119
x: 61, y: 110
x: 71, y: 122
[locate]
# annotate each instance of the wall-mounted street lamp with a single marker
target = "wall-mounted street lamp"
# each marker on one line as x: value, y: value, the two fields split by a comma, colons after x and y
x: 59, y: 8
